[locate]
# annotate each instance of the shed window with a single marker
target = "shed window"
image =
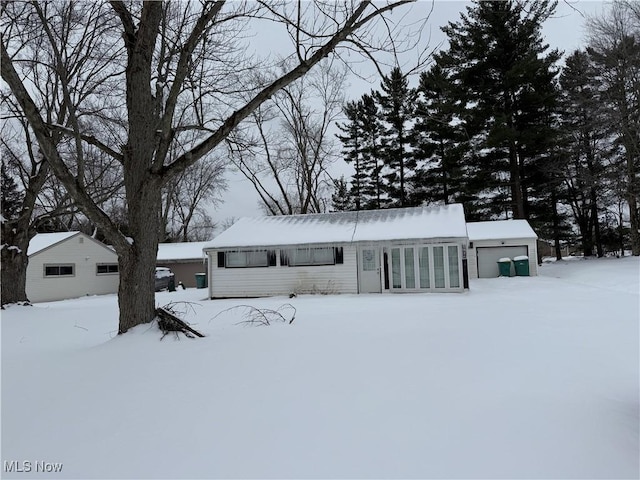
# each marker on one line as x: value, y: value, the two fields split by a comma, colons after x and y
x: 106, y: 268
x: 246, y: 258
x: 65, y: 270
x: 297, y: 257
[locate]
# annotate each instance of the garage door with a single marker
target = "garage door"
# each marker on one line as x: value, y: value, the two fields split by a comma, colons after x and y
x: 488, y: 259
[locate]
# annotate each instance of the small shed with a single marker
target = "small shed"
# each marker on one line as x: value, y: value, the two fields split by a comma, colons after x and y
x: 185, y: 259
x: 68, y: 265
x: 419, y: 249
x: 490, y: 241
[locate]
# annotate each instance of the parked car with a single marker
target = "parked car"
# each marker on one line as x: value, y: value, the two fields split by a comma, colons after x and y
x: 164, y: 275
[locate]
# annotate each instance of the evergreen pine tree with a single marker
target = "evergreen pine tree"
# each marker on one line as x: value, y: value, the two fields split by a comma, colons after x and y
x: 352, y: 148
x: 498, y: 59
x: 361, y: 145
x: 342, y: 197
x: 396, y: 102
x: 436, y: 140
x: 372, y: 190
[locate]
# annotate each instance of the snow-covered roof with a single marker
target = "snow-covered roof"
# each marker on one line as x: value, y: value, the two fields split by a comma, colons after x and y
x: 366, y: 225
x: 500, y: 229
x: 180, y: 251
x: 46, y: 240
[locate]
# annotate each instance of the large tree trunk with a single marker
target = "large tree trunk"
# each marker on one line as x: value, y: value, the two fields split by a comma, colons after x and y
x: 136, y: 293
x: 14, y: 268
x: 586, y: 235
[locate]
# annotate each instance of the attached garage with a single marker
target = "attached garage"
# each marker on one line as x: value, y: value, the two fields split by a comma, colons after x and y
x: 490, y: 241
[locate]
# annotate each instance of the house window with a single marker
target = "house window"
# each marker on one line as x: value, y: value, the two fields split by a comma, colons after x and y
x: 106, y: 268
x: 246, y: 258
x: 297, y: 257
x: 368, y: 260
x: 60, y: 270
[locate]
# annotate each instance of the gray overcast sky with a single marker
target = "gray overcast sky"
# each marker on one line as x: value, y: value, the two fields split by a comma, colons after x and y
x: 565, y: 31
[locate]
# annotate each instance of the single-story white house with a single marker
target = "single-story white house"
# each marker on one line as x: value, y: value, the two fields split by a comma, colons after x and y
x: 395, y: 250
x: 185, y: 259
x: 68, y: 265
x: 490, y: 241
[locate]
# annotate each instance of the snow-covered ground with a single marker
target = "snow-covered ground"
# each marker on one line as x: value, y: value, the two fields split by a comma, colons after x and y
x: 518, y: 378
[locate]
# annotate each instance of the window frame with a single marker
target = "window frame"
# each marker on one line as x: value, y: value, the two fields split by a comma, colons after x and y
x: 58, y: 266
x: 287, y: 255
x: 223, y: 255
x: 99, y: 273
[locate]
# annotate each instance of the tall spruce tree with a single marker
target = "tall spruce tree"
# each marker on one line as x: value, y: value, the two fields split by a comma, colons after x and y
x: 396, y: 102
x: 352, y: 143
x: 361, y: 148
x: 372, y: 189
x: 437, y: 140
x: 500, y: 63
x: 341, y: 199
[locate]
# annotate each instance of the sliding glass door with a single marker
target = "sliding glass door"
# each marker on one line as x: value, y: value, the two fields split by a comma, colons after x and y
x: 424, y: 267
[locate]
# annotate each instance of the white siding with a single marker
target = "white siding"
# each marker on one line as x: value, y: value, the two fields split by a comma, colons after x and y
x: 82, y: 251
x: 530, y: 243
x: 283, y: 280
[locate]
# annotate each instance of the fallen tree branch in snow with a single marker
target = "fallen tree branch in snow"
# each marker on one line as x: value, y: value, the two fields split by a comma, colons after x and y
x: 256, y: 317
x: 168, y: 321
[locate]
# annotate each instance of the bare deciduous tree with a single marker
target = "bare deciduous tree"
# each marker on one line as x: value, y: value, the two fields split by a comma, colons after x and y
x: 43, y: 198
x: 183, y: 69
x: 614, y: 46
x: 287, y: 160
x: 187, y: 198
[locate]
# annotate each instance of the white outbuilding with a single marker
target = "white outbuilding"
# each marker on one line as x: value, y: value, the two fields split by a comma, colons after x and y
x: 68, y: 265
x: 494, y: 240
x: 419, y: 249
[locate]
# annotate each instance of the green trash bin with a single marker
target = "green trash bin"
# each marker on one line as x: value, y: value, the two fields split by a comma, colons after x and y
x: 522, y: 266
x: 504, y: 267
x: 201, y: 280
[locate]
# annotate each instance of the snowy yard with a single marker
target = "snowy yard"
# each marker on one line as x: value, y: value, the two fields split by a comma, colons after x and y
x: 518, y: 378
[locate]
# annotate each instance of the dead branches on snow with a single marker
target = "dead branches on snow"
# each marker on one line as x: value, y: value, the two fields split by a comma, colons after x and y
x: 257, y: 317
x: 168, y: 321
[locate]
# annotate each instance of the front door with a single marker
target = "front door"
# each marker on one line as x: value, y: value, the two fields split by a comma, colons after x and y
x: 369, y: 269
